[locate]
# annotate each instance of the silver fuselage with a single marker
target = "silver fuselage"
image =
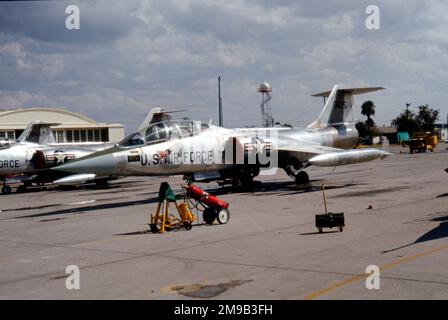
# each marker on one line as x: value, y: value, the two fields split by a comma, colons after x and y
x: 204, y: 151
x: 21, y: 157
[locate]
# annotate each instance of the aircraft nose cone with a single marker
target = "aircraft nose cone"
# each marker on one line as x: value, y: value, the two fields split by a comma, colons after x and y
x: 103, y: 164
x: 385, y: 154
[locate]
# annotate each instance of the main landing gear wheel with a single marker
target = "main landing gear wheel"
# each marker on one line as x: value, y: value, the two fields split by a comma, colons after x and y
x: 244, y: 180
x: 223, y: 216
x: 302, y: 177
x: 209, y: 215
x: 6, y: 190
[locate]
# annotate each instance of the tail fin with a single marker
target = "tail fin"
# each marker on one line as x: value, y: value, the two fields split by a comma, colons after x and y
x: 339, y: 106
x: 38, y: 132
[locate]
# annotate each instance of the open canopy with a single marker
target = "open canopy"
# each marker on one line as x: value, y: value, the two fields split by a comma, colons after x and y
x: 163, y: 131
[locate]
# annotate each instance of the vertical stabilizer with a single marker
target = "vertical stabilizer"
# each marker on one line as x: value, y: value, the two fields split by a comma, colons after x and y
x: 38, y: 132
x: 339, y: 108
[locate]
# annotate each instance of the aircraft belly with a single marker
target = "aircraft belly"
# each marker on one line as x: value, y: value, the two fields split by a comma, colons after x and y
x: 171, y: 169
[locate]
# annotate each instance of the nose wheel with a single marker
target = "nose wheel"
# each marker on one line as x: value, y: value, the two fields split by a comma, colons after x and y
x: 6, y: 189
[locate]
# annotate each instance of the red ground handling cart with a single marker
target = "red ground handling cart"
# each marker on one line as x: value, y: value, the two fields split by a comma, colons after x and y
x: 212, y: 208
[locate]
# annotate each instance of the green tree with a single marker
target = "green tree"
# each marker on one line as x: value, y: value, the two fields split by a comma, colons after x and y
x: 368, y: 110
x: 427, y: 117
x: 363, y: 131
x: 406, y: 121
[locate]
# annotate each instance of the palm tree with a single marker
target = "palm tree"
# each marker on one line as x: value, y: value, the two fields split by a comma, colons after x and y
x: 368, y: 110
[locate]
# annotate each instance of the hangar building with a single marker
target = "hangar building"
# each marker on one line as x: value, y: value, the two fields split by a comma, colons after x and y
x: 73, y: 127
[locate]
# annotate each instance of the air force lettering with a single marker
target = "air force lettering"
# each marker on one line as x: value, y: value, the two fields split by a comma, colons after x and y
x: 9, y: 164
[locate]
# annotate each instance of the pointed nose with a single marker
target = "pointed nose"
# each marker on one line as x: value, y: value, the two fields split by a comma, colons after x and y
x: 385, y: 154
x: 103, y: 164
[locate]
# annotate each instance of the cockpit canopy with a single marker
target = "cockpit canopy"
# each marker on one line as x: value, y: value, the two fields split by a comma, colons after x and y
x: 163, y: 131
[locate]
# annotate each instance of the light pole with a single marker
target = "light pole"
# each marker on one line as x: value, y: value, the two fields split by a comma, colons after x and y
x: 220, y: 101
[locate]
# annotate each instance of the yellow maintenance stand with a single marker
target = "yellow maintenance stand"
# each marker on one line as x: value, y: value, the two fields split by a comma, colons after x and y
x: 421, y: 141
x: 162, y: 220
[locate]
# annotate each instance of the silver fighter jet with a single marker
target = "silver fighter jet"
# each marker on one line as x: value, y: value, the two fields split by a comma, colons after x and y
x: 28, y: 159
x: 204, y: 152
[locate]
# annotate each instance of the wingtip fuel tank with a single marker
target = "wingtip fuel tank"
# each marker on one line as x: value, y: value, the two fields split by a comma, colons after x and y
x: 333, y: 159
x: 75, y: 179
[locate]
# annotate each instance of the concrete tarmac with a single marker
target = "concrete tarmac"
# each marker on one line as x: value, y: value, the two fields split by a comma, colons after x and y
x: 396, y: 219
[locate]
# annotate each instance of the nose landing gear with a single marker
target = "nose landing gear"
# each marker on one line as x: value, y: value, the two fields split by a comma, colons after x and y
x: 6, y: 189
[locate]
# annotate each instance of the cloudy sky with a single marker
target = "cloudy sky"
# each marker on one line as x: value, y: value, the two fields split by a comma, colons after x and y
x: 131, y: 55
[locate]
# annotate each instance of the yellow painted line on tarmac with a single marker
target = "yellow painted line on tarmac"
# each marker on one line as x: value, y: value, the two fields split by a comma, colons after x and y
x: 384, y: 267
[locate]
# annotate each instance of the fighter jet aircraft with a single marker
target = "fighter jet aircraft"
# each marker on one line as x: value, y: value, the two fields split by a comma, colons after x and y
x: 28, y: 159
x: 206, y: 152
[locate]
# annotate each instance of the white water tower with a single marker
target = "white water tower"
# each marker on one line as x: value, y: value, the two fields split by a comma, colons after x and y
x: 267, y: 120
